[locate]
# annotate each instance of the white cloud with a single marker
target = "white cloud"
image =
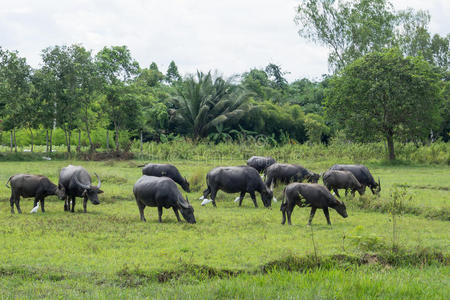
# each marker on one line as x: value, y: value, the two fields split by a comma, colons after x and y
x: 231, y: 36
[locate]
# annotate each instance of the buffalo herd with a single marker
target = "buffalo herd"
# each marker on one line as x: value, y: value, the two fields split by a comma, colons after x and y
x: 158, y: 187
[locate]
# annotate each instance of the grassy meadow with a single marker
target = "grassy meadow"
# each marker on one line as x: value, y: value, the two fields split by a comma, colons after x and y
x: 231, y: 251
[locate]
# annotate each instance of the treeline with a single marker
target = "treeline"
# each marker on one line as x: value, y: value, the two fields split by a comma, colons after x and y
x: 389, y: 82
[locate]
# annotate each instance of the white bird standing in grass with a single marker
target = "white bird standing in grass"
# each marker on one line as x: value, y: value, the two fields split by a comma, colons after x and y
x: 35, y: 209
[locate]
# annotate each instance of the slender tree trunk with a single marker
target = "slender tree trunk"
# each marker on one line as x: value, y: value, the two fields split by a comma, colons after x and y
x: 117, y: 137
x: 51, y: 140
x: 46, y: 142
x: 11, y: 140
x: 67, y: 135
x: 142, y: 143
x: 390, y: 142
x: 79, y: 141
x: 32, y: 139
x: 88, y: 131
x: 15, y: 142
x: 107, y: 139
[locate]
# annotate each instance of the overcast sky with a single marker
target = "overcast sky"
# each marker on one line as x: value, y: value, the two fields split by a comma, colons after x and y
x: 231, y: 36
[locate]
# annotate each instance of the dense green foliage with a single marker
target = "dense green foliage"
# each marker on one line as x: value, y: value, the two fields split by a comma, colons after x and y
x: 384, y: 94
x: 81, y: 93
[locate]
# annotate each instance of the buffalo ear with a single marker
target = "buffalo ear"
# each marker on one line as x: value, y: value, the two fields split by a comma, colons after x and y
x: 100, y: 192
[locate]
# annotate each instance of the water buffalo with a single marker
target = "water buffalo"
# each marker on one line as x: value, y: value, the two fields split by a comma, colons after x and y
x: 362, y: 174
x: 77, y: 183
x: 37, y: 186
x: 286, y: 173
x: 161, y: 192
x: 242, y: 179
x: 335, y: 180
x: 309, y: 195
x: 260, y: 163
x: 166, y: 170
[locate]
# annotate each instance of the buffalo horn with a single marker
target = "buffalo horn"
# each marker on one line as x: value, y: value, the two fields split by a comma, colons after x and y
x: 184, y: 204
x: 84, y: 186
x: 99, y: 182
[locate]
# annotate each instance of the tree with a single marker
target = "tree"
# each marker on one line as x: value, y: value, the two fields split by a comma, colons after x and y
x: 315, y: 127
x: 353, y: 28
x: 15, y: 87
x: 385, y: 94
x: 117, y: 69
x: 275, y: 72
x: 203, y: 102
x: 60, y: 63
x: 172, y: 75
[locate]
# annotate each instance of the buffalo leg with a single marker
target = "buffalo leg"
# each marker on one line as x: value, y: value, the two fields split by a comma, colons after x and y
x: 160, y: 214
x: 252, y: 194
x: 213, y: 197
x: 241, y: 197
x: 175, y: 210
x: 346, y: 192
x: 141, y: 207
x: 283, y: 212
x: 42, y: 204
x: 311, y: 214
x: 206, y: 192
x: 289, y: 210
x: 11, y: 202
x: 66, y: 203
x: 336, y: 191
x: 327, y: 215
x: 17, y: 202
x: 353, y: 193
x: 85, y: 204
x: 72, y: 199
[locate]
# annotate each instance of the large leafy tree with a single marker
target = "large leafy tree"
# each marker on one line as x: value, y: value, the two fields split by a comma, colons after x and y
x: 118, y: 68
x: 205, y: 101
x: 15, y: 88
x: 384, y: 94
x: 353, y: 28
x: 172, y: 75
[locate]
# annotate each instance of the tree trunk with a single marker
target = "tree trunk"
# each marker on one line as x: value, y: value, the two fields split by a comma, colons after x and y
x: 390, y: 142
x: 46, y: 142
x: 88, y: 131
x: 51, y: 140
x: 67, y: 135
x: 117, y: 137
x: 142, y: 143
x: 15, y: 142
x: 107, y: 139
x: 32, y: 139
x: 79, y: 141
x: 11, y: 140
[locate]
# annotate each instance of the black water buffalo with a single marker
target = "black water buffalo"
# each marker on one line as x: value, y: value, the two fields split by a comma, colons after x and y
x: 242, y: 179
x: 166, y: 170
x: 362, y: 174
x: 77, y: 183
x: 286, y: 173
x: 335, y: 180
x: 309, y: 195
x: 260, y: 163
x: 161, y: 192
x: 37, y: 186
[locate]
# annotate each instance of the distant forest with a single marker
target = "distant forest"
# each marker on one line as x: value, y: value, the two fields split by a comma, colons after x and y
x: 389, y: 80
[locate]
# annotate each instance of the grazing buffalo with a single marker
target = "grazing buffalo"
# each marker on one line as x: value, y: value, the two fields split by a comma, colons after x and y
x: 161, y: 192
x: 37, y: 186
x: 335, y: 180
x: 242, y: 179
x: 77, y: 183
x: 166, y: 170
x: 286, y: 173
x: 260, y: 163
x: 362, y: 174
x: 309, y: 195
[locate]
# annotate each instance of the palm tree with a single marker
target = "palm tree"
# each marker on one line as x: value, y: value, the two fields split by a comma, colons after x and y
x: 203, y: 102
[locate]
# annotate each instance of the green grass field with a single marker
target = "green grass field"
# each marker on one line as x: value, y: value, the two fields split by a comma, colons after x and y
x: 231, y: 251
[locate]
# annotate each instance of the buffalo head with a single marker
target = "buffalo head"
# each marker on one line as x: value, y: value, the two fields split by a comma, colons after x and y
x: 187, y: 211
x: 266, y: 197
x: 340, y: 208
x: 90, y: 191
x: 185, y: 185
x: 61, y: 192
